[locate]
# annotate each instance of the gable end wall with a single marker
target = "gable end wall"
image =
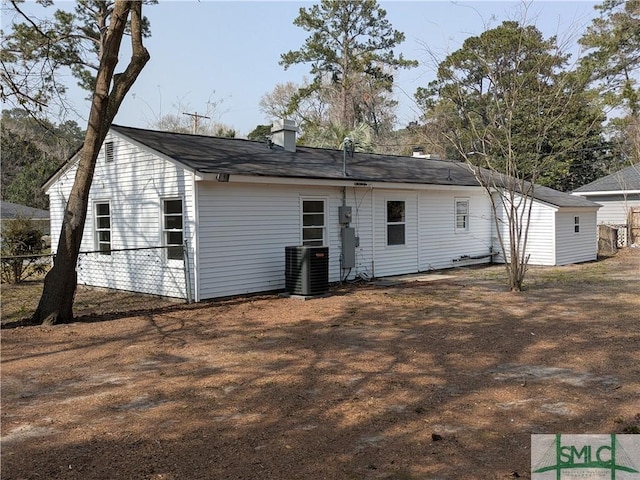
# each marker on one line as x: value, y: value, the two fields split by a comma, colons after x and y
x: 133, y: 184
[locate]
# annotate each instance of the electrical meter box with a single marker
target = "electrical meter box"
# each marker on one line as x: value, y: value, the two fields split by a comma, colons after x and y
x: 349, y: 242
x: 344, y: 214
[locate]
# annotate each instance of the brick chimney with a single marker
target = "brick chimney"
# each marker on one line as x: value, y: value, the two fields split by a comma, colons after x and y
x: 284, y: 134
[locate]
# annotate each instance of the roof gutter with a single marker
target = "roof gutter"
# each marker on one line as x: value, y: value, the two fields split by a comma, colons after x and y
x: 255, y: 179
x: 607, y: 192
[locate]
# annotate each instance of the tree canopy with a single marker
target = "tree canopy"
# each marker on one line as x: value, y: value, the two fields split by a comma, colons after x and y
x: 31, y: 151
x: 613, y: 58
x: 506, y: 95
x: 352, y: 58
x: 89, y: 43
x: 35, y: 52
x: 612, y: 64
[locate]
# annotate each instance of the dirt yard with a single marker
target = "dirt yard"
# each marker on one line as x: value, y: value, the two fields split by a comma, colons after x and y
x: 438, y: 379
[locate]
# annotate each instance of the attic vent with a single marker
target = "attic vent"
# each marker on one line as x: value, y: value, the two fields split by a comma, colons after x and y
x: 108, y: 152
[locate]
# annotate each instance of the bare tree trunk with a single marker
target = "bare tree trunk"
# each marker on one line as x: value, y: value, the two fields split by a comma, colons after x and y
x: 56, y: 302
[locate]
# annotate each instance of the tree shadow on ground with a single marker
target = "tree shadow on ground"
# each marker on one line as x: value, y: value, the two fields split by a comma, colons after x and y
x: 416, y: 381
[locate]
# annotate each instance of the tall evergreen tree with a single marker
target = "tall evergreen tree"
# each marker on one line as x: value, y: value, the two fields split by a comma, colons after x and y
x: 351, y: 51
x: 612, y: 64
x: 613, y: 59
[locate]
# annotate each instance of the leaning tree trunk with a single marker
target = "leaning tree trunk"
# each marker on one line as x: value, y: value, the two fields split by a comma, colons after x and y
x: 56, y: 302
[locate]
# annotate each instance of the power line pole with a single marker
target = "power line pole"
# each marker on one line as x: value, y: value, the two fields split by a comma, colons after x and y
x: 195, y: 119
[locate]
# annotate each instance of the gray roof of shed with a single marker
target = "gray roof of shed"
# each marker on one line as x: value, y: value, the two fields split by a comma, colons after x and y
x: 214, y: 155
x: 14, y: 210
x: 626, y: 179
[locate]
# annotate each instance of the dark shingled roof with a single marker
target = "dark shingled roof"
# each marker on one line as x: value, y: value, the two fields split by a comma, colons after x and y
x: 626, y: 179
x: 214, y: 155
x: 13, y: 210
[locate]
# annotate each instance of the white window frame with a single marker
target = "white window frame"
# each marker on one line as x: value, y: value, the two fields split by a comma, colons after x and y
x: 98, y: 229
x: 402, y: 223
x: 167, y: 231
x: 463, y: 216
x: 304, y: 227
x: 576, y: 224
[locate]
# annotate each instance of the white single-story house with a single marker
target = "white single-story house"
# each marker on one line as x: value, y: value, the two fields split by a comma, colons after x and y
x: 619, y: 195
x: 237, y: 204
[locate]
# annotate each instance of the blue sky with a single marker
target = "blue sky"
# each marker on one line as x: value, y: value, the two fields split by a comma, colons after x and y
x: 229, y: 51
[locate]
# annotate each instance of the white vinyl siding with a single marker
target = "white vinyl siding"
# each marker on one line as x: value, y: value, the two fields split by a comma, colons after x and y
x: 541, y: 234
x: 360, y: 199
x: 615, y: 207
x: 134, y: 185
x: 395, y: 259
x: 440, y: 245
x: 552, y: 237
x: 572, y: 246
x: 244, y: 229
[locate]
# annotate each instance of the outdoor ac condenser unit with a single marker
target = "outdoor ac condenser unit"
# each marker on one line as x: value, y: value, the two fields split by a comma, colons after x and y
x: 306, y: 270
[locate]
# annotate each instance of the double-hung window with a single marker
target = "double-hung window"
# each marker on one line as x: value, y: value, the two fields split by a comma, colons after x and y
x: 462, y: 214
x: 396, y: 222
x: 172, y: 228
x: 103, y: 227
x: 576, y: 224
x: 313, y: 222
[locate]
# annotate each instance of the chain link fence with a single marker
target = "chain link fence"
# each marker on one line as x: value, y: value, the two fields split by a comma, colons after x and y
x: 18, y: 268
x: 143, y: 270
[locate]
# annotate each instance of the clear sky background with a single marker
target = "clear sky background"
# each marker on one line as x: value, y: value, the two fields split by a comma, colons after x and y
x: 229, y: 51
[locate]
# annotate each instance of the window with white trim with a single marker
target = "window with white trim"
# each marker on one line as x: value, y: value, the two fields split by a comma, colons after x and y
x: 313, y: 222
x: 462, y: 215
x: 172, y: 228
x: 103, y: 227
x: 576, y: 224
x: 396, y: 222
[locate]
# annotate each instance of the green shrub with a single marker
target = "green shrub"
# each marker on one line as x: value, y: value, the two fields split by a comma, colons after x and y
x: 21, y: 246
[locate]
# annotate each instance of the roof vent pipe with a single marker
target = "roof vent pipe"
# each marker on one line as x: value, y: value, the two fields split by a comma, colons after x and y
x: 284, y: 134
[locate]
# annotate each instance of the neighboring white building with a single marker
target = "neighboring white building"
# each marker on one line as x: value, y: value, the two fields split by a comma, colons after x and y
x: 239, y: 203
x: 618, y: 194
